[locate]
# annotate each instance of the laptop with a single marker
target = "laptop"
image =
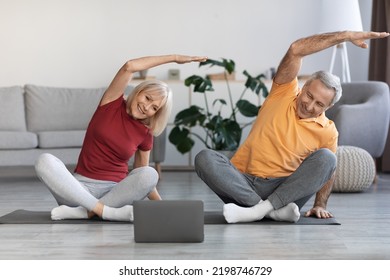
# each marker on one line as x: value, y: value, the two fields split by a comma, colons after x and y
x: 168, y: 221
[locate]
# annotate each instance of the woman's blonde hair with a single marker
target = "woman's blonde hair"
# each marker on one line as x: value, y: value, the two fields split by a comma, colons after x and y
x: 158, y: 121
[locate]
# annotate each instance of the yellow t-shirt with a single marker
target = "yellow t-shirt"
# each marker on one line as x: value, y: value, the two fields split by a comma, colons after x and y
x: 279, y: 140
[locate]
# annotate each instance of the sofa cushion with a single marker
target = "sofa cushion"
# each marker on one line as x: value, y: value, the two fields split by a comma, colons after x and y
x: 18, y: 140
x: 55, y: 109
x: 61, y: 139
x: 12, y: 117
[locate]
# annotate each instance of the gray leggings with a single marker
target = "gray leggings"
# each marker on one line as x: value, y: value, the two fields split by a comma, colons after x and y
x: 76, y: 190
x: 232, y: 186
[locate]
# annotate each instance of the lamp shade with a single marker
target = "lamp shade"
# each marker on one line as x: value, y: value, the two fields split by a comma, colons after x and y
x: 340, y: 15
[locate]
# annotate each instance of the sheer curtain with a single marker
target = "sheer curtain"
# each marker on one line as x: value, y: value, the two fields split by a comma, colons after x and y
x: 379, y: 66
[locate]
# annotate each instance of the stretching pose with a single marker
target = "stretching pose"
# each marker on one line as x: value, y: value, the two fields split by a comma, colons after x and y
x: 289, y: 154
x: 119, y: 129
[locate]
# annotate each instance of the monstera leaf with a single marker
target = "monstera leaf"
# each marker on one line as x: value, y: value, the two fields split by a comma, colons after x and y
x: 218, y: 131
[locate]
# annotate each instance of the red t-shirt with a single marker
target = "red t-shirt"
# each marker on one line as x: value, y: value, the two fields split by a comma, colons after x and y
x: 111, y: 140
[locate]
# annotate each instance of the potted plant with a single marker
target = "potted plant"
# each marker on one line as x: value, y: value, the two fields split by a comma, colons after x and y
x: 220, y: 132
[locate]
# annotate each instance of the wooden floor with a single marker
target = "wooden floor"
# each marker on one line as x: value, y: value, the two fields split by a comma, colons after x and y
x: 364, y: 233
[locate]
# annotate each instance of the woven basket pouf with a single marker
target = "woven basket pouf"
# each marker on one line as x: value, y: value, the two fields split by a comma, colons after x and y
x: 355, y: 170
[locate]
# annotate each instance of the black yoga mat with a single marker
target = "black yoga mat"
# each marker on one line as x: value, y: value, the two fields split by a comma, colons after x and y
x: 43, y: 217
x: 218, y: 218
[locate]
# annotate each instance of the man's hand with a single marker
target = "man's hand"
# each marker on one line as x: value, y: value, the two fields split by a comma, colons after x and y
x: 322, y: 196
x: 359, y: 38
x: 319, y: 212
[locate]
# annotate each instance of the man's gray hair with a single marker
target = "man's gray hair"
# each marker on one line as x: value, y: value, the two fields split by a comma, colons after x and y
x: 330, y: 81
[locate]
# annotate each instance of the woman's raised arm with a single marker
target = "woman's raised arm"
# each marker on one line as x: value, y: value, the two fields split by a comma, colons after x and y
x: 125, y: 73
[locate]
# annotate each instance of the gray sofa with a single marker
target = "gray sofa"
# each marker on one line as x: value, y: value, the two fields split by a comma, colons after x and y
x: 37, y: 119
x: 362, y: 116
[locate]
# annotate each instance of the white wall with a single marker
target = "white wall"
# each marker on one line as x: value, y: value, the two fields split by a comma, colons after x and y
x: 82, y: 43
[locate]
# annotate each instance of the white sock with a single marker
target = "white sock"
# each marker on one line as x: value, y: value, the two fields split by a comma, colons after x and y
x: 288, y: 213
x: 64, y: 212
x: 235, y: 214
x: 124, y: 213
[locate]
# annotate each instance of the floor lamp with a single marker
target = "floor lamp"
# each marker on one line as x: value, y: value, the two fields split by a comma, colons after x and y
x: 337, y: 16
x: 345, y: 73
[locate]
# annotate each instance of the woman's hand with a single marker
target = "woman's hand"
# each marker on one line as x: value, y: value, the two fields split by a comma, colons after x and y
x: 154, y: 195
x: 181, y: 59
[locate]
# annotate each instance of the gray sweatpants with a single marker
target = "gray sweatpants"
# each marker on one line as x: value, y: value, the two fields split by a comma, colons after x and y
x: 232, y: 186
x: 76, y: 190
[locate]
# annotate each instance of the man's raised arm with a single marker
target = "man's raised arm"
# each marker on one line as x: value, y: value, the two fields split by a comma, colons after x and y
x: 291, y: 62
